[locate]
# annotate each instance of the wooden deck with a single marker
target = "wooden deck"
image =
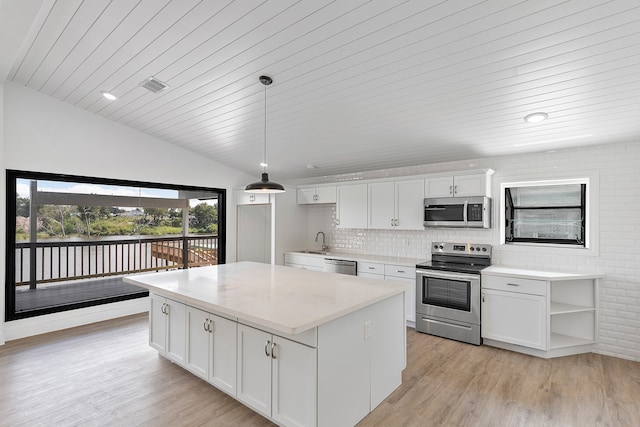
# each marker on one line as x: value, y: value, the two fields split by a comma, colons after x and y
x: 77, y: 291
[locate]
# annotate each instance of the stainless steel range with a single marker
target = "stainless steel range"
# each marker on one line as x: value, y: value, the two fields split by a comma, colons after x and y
x: 448, y: 291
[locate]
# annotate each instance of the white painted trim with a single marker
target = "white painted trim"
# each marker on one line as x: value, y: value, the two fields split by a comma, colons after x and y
x: 31, y: 326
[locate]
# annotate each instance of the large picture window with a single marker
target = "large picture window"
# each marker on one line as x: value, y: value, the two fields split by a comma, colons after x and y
x: 552, y: 212
x: 71, y: 239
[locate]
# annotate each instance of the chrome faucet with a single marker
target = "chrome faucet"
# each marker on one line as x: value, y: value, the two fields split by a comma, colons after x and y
x: 324, y: 246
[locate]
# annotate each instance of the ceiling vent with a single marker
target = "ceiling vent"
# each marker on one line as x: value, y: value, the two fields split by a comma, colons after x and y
x: 153, y: 85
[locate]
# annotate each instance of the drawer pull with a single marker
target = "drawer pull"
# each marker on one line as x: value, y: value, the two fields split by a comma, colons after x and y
x: 512, y: 284
x: 399, y: 271
x: 372, y: 268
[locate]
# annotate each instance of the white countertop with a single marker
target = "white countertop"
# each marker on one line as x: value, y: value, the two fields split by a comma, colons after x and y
x: 497, y: 270
x: 383, y: 259
x: 285, y: 299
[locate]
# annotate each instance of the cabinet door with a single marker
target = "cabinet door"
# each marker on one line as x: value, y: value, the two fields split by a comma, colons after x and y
x: 198, y: 337
x: 381, y: 205
x: 438, y: 187
x: 515, y: 318
x: 254, y: 369
x: 351, y: 206
x: 243, y: 198
x: 176, y: 331
x: 306, y: 196
x: 294, y: 383
x: 157, y: 324
x: 409, y: 204
x: 470, y: 185
x: 326, y: 194
x: 222, y: 368
x: 409, y: 296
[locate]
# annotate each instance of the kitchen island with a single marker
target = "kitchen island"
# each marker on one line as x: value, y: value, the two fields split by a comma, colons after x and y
x: 301, y: 347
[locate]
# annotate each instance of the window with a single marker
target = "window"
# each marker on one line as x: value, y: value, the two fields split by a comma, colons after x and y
x: 546, y: 212
x: 71, y: 240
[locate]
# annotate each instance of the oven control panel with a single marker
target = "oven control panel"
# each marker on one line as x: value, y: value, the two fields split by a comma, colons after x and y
x: 461, y: 249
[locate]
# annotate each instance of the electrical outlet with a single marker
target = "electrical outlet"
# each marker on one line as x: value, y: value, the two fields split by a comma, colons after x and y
x: 367, y: 329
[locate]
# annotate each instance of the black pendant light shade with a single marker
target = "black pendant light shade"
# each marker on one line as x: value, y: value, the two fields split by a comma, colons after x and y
x: 264, y: 185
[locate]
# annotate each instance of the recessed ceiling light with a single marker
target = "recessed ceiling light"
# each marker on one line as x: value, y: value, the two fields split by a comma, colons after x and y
x: 535, y: 117
x: 263, y: 164
x: 109, y: 96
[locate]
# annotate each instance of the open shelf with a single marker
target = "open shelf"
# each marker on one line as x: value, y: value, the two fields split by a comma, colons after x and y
x: 561, y: 308
x: 560, y: 341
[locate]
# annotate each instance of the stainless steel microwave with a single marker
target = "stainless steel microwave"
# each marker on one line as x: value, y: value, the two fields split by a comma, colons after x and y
x: 458, y: 212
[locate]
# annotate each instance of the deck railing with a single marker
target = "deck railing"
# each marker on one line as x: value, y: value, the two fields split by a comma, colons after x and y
x: 46, y: 262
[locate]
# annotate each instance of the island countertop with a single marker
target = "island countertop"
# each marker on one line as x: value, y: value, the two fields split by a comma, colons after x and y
x: 285, y: 299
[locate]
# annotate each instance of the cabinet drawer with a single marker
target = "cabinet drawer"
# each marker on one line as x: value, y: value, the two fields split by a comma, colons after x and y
x: 515, y: 284
x: 400, y: 271
x: 370, y: 267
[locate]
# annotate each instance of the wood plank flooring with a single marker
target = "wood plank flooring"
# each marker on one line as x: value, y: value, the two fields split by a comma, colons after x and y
x: 105, y: 374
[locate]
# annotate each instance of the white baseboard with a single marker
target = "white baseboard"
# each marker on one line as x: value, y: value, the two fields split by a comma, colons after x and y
x: 31, y: 326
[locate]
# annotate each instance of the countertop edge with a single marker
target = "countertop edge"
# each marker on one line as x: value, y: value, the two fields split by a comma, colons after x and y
x: 381, y: 259
x: 497, y: 270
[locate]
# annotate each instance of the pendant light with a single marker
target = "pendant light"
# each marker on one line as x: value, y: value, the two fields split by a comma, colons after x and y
x: 264, y: 185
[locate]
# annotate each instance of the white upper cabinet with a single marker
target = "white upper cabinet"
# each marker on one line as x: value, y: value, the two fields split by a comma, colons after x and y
x: 351, y: 206
x: 244, y: 198
x: 459, y: 185
x: 313, y: 195
x: 396, y: 205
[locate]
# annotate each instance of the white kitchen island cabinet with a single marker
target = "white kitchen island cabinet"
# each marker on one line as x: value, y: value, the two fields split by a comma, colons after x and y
x: 167, y: 328
x: 211, y: 348
x: 312, y: 349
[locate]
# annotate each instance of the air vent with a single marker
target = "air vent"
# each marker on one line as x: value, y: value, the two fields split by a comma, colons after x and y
x: 153, y: 85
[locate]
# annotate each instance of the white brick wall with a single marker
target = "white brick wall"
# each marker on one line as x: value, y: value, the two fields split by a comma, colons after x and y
x: 618, y: 170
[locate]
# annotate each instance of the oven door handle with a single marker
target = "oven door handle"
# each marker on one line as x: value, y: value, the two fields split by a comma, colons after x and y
x: 447, y: 275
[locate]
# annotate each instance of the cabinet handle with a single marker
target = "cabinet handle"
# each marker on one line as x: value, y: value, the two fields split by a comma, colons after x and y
x: 512, y: 284
x: 162, y: 308
x: 455, y: 189
x: 212, y: 326
x: 483, y: 297
x: 337, y: 221
x: 372, y: 268
x: 392, y: 224
x: 399, y: 271
x: 273, y: 353
x: 206, y: 325
x: 266, y: 348
x: 451, y: 189
x: 165, y: 308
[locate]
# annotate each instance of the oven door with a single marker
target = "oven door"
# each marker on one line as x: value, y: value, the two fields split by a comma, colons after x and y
x: 448, y: 295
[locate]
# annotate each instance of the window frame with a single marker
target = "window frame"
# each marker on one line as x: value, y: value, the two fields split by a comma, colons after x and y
x: 589, y: 220
x: 12, y: 177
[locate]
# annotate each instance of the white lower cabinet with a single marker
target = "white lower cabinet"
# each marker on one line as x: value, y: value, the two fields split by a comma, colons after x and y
x: 167, y: 328
x: 394, y: 273
x: 539, y: 313
x: 515, y: 318
x: 277, y: 377
x: 305, y: 262
x: 211, y: 348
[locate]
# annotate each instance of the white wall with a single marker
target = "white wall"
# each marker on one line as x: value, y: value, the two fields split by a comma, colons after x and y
x: 42, y: 134
x: 617, y: 174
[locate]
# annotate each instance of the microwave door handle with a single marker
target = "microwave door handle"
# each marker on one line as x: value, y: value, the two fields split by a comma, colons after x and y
x: 434, y: 209
x: 464, y: 212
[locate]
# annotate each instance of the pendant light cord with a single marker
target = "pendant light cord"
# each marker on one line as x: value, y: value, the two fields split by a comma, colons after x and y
x: 264, y: 168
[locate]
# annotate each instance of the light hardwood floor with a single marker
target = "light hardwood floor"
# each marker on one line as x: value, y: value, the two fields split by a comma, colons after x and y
x: 106, y: 375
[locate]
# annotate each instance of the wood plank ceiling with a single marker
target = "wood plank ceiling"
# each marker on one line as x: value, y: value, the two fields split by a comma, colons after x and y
x: 358, y: 85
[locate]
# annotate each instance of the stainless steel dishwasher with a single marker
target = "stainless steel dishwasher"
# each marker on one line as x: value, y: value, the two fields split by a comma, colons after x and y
x: 340, y: 266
